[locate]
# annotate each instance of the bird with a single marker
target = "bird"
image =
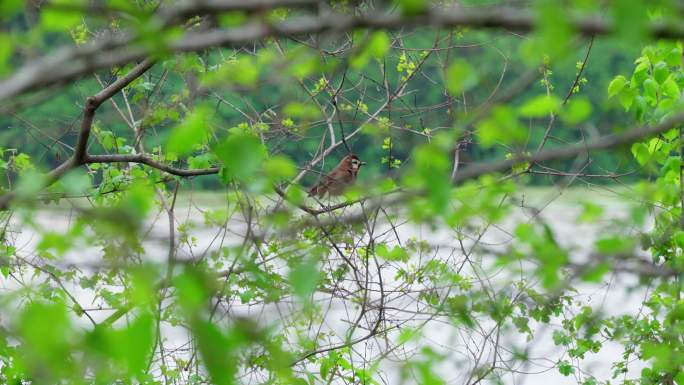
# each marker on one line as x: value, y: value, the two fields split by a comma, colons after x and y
x: 338, y: 179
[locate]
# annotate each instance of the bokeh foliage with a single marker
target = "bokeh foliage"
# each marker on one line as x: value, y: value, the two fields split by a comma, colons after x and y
x: 266, y: 285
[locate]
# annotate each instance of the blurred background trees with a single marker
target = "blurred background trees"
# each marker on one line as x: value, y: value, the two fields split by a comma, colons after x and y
x: 155, y: 157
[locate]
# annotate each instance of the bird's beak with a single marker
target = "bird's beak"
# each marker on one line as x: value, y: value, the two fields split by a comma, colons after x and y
x: 363, y: 163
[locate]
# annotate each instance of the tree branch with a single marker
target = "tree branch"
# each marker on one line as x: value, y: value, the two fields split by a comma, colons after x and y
x: 606, y: 142
x: 479, y: 169
x: 144, y: 159
x: 70, y: 63
x: 92, y: 104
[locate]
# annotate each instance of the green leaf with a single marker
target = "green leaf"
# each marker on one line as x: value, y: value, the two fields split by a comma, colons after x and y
x: 107, y: 139
x: 501, y: 127
x: 216, y: 351
x: 540, y: 106
x: 591, y: 212
x: 432, y: 173
x: 9, y: 7
x: 565, y: 368
x: 460, y: 77
x: 6, y: 49
x: 627, y: 98
x: 191, y: 291
x: 397, y: 253
x: 576, y: 111
x: 616, y: 85
x: 551, y: 256
x: 614, y: 245
x: 243, y: 70
x: 679, y: 378
x: 138, y: 199
x: 660, y: 353
x: 302, y: 111
x: 142, y: 290
x: 674, y: 56
x: 324, y: 368
x: 651, y: 90
x: 554, y: 30
x: 279, y: 167
x: 412, y: 7
x: 595, y: 273
x: 52, y: 240
x: 660, y: 72
x: 30, y: 183
x: 295, y: 194
x: 641, y: 153
x: 47, y: 338
x: 190, y: 133
x: 201, y: 161
x: 75, y: 182
x: 54, y: 18
x: 22, y: 162
x: 242, y: 155
x: 408, y: 334
x: 303, y: 64
x: 304, y: 278
x: 135, y: 343
x: 232, y: 19
x: 377, y: 46
x: 641, y: 71
x: 671, y: 88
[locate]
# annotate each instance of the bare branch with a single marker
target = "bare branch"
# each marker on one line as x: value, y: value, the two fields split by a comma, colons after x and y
x: 70, y: 63
x: 92, y: 104
x: 144, y: 159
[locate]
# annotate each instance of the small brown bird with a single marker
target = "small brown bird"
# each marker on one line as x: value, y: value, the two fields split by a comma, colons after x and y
x: 338, y: 179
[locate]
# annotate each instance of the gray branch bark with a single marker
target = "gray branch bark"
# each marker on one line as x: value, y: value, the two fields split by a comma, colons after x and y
x: 70, y: 63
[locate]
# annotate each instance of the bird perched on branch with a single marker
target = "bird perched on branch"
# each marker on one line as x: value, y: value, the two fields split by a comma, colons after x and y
x: 338, y: 179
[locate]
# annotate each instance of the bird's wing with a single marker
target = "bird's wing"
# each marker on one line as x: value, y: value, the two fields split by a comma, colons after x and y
x: 323, y: 186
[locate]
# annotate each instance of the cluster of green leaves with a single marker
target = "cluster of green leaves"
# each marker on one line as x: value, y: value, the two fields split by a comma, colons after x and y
x: 252, y: 73
x: 258, y: 149
x: 651, y: 94
x: 654, y: 87
x: 53, y: 348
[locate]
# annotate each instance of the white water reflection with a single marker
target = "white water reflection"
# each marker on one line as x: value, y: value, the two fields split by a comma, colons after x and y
x: 458, y: 344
